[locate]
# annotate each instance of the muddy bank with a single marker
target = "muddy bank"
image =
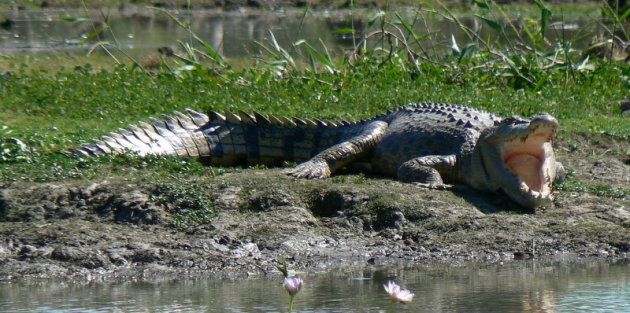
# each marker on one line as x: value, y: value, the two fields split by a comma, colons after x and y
x: 242, y: 222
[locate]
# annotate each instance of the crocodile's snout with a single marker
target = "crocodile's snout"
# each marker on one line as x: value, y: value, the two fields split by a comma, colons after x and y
x: 543, y: 124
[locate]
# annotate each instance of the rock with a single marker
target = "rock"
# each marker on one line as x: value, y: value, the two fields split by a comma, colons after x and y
x: 271, y: 198
x: 228, y: 198
x: 149, y: 255
x: 4, y: 252
x: 87, y: 258
x: 136, y: 208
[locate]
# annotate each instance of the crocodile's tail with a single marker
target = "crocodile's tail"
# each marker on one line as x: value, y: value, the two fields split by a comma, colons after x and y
x: 230, y: 139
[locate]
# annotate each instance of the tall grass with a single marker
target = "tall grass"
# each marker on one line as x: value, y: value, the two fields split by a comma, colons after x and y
x: 519, y: 52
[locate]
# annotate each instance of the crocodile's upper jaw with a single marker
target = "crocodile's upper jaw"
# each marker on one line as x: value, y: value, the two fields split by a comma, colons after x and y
x: 520, y: 159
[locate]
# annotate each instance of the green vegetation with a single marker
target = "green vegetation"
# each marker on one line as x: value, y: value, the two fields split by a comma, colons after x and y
x: 189, y: 204
x: 575, y: 185
x: 43, y: 113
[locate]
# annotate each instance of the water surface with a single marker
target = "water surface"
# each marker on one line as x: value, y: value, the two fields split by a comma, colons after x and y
x: 234, y: 34
x: 530, y: 286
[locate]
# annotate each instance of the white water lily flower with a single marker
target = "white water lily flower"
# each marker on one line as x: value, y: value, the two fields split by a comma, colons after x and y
x: 398, y: 294
x: 293, y: 285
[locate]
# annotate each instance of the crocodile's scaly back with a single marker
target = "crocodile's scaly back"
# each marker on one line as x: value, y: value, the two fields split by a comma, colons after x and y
x: 428, y: 129
x: 226, y: 140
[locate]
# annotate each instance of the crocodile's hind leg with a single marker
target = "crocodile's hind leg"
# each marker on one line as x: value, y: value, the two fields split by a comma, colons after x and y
x: 428, y: 171
x: 325, y: 163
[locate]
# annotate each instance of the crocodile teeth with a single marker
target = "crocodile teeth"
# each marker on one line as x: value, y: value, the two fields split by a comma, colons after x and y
x: 533, y: 193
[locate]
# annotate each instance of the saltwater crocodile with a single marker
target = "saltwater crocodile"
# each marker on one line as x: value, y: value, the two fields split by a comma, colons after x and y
x: 427, y: 143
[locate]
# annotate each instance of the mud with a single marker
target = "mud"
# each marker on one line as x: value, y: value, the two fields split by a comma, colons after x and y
x: 241, y: 223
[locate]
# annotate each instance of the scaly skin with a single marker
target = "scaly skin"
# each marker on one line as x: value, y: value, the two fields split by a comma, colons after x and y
x: 426, y: 143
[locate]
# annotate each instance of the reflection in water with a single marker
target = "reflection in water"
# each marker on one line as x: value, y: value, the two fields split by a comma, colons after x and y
x: 530, y: 286
x: 233, y: 34
x: 542, y: 301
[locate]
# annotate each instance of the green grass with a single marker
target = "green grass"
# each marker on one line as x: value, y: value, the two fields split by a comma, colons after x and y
x: 189, y: 204
x: 601, y: 190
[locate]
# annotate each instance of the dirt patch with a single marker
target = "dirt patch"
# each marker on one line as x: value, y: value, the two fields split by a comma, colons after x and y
x: 243, y: 222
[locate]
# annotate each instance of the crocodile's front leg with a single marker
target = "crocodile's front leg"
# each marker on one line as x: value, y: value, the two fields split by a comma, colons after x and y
x: 325, y: 163
x: 429, y: 170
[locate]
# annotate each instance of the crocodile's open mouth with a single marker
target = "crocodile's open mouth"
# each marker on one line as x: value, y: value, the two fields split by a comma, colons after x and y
x: 531, y: 162
x: 529, y: 159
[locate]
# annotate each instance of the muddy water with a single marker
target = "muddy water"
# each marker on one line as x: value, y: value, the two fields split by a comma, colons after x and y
x: 139, y: 32
x: 531, y: 286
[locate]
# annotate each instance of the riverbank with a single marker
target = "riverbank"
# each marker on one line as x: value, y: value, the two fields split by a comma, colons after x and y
x: 121, y: 227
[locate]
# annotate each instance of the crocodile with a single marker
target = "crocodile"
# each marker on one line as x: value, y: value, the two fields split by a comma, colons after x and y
x: 430, y: 144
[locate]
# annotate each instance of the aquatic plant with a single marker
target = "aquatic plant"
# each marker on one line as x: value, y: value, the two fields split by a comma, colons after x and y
x: 398, y: 294
x: 292, y: 285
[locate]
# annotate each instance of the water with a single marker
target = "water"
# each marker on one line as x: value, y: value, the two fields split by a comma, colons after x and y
x: 234, y: 34
x: 513, y: 287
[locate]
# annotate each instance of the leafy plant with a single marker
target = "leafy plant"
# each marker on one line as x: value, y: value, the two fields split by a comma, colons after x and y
x: 12, y: 149
x: 189, y: 204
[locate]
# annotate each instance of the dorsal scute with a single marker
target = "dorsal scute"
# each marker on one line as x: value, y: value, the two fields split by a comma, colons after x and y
x: 149, y: 130
x: 171, y: 123
x: 232, y: 118
x: 246, y: 118
x: 299, y: 122
x: 261, y: 119
x: 216, y: 117
x: 310, y: 123
x: 287, y: 122
x: 185, y: 121
x: 273, y: 120
x: 100, y: 146
x: 196, y: 117
x: 111, y: 143
x: 160, y: 126
x: 140, y: 134
x: 320, y: 123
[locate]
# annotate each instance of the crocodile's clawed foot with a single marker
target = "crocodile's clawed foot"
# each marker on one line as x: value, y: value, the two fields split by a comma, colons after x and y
x: 310, y: 169
x: 435, y: 186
